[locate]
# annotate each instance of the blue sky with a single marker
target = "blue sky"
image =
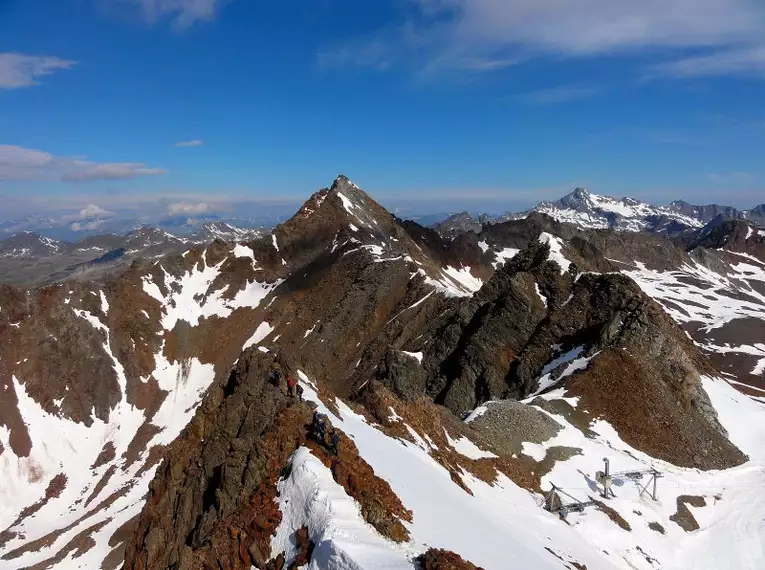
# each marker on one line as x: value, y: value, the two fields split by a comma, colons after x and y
x: 427, y: 104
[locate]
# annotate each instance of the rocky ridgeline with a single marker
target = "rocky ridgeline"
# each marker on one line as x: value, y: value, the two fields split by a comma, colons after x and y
x: 367, y: 303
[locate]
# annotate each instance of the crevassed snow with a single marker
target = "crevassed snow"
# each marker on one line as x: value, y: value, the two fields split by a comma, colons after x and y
x: 556, y: 250
x: 264, y: 329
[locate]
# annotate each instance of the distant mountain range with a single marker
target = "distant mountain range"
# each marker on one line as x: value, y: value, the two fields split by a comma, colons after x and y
x: 592, y: 211
x: 62, y: 228
x: 31, y: 258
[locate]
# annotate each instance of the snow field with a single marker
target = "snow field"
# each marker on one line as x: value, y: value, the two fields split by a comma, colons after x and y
x: 499, y: 523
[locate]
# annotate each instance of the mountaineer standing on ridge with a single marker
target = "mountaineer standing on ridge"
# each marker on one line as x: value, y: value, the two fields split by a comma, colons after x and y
x: 290, y: 387
x: 334, y: 441
x: 319, y: 427
x: 275, y: 377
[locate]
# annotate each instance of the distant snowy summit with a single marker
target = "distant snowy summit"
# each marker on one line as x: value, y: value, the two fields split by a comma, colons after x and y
x: 592, y: 211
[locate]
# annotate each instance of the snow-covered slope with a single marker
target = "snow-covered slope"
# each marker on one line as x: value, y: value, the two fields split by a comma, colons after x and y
x: 592, y: 211
x: 719, y: 298
x: 586, y: 210
x: 80, y: 480
x: 499, y: 525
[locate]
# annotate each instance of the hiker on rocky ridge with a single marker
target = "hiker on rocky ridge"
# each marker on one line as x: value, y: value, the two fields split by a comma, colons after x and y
x: 334, y: 441
x: 319, y: 426
x: 290, y: 386
x: 299, y: 390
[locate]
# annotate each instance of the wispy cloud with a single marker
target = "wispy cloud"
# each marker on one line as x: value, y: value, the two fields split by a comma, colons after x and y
x: 18, y: 70
x: 187, y: 208
x: 498, y: 30
x: 182, y: 13
x: 559, y: 94
x: 83, y: 171
x: 87, y: 226
x: 188, y: 144
x: 19, y: 163
x: 742, y: 62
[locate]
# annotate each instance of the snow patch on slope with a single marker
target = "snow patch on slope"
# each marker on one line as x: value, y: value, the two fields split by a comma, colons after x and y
x: 556, y: 250
x: 191, y: 297
x: 263, y: 330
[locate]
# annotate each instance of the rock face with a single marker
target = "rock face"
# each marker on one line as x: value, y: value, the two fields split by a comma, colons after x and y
x: 437, y: 559
x: 222, y: 457
x: 402, y: 373
x: 500, y: 342
x: 212, y: 501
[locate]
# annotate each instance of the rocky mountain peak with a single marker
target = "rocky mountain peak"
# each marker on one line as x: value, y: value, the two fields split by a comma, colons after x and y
x: 580, y: 197
x: 28, y: 243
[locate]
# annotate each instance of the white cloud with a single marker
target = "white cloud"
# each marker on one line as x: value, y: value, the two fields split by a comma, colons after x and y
x: 182, y: 13
x: 445, y: 31
x: 187, y: 208
x: 94, y: 211
x: 743, y: 61
x: 559, y: 94
x: 19, y: 70
x: 91, y: 212
x: 19, y: 163
x: 87, y: 226
x: 191, y: 143
x: 88, y: 171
